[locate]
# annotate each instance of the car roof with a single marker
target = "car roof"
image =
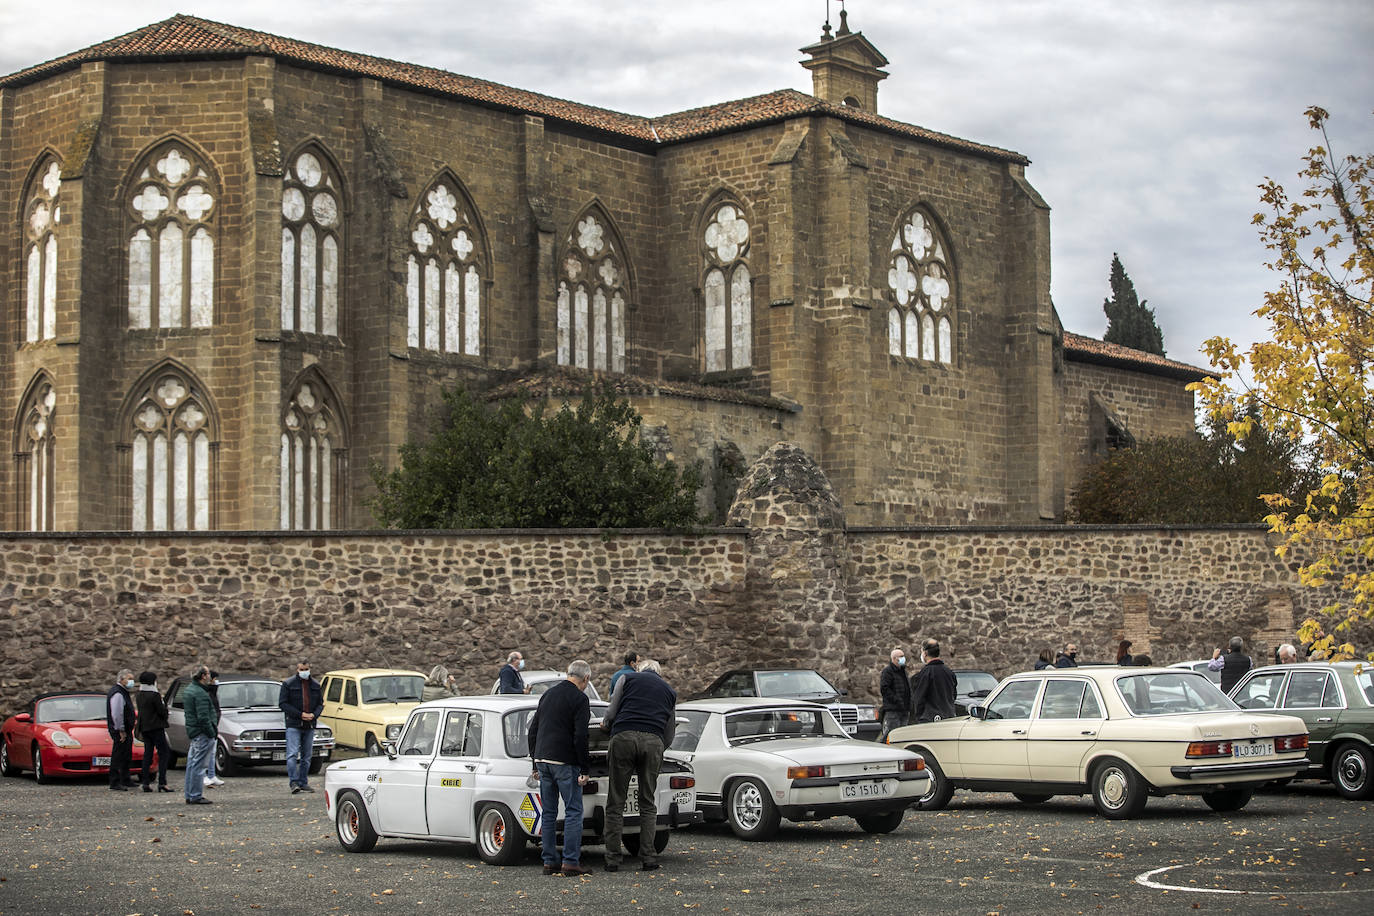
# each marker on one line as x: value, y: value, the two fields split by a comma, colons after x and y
x: 766, y: 669
x: 369, y: 672
x: 972, y: 671
x: 542, y: 674
x: 1097, y: 672
x: 232, y: 678
x: 493, y: 702
x: 1311, y: 666
x: 734, y: 704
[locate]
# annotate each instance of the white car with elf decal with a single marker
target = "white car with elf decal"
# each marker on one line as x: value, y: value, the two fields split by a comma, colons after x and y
x: 460, y: 772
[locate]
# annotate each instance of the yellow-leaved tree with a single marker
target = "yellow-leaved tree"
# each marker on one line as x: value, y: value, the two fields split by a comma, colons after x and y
x: 1314, y: 379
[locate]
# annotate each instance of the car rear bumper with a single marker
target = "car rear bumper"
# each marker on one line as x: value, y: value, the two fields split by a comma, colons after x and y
x: 1264, y: 769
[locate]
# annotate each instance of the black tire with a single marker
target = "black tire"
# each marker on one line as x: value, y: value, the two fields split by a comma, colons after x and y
x: 1119, y: 792
x: 39, y: 776
x: 881, y: 823
x: 225, y: 765
x: 372, y: 745
x: 6, y: 768
x: 500, y: 840
x: 315, y: 764
x: 1228, y: 799
x: 352, y: 825
x: 1031, y: 798
x: 631, y: 841
x: 751, y: 813
x: 1350, y: 771
x: 939, y: 791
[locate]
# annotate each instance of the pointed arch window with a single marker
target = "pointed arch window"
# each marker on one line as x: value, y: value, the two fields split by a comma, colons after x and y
x: 727, y: 290
x: 42, y: 215
x: 591, y: 299
x: 172, y: 454
x: 34, y: 459
x: 172, y: 208
x: 921, y: 323
x: 312, y: 224
x: 313, y: 461
x: 445, y: 273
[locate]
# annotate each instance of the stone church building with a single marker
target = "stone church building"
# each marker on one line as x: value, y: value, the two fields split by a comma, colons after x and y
x: 237, y: 269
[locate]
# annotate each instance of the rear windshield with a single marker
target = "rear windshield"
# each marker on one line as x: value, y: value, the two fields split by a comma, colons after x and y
x: 243, y: 694
x: 515, y: 728
x: 71, y: 709
x: 393, y: 688
x: 764, y: 724
x: 1162, y: 694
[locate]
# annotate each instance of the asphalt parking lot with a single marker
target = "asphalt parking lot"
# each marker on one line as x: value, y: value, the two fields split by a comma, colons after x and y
x: 79, y: 848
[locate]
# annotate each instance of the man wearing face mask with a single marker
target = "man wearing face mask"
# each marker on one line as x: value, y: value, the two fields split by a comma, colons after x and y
x: 1068, y: 658
x: 896, y: 693
x: 509, y: 677
x: 302, y: 700
x: 119, y: 719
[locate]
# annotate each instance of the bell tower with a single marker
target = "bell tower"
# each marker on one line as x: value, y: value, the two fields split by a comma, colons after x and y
x: 845, y: 67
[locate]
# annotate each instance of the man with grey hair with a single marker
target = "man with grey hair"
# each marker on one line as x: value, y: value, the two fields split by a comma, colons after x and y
x: 1232, y: 665
x: 558, y: 747
x: 200, y: 734
x: 1288, y: 655
x: 119, y: 719
x: 642, y: 719
x: 895, y: 688
x: 509, y: 679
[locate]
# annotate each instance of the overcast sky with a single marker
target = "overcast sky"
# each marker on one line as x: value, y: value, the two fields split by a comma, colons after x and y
x: 1148, y: 124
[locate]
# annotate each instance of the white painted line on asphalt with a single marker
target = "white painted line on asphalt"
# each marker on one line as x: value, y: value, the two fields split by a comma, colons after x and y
x: 1146, y: 879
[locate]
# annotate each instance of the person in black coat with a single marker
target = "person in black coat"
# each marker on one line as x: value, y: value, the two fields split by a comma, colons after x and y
x: 152, y: 729
x: 119, y: 720
x: 1068, y: 658
x: 559, y: 752
x: 934, y: 687
x: 896, y: 693
x: 301, y: 701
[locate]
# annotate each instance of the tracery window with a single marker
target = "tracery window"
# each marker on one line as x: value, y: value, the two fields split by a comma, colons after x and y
x: 727, y: 290
x: 172, y: 242
x: 313, y: 456
x: 312, y: 220
x: 171, y: 457
x: 444, y: 273
x: 42, y: 215
x: 35, y: 460
x: 591, y: 299
x: 921, y: 324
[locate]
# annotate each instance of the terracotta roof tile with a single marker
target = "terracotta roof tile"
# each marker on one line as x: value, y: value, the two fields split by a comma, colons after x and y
x: 1091, y: 350
x: 184, y: 37
x: 563, y: 381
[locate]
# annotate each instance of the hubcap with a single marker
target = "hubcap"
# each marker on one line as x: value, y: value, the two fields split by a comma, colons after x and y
x: 748, y: 806
x: 1352, y: 770
x: 1113, y: 787
x: 492, y: 834
x: 348, y: 821
x: 37, y: 762
x: 932, y: 788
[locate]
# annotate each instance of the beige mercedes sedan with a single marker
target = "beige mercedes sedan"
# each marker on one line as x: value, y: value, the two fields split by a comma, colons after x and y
x: 1117, y: 734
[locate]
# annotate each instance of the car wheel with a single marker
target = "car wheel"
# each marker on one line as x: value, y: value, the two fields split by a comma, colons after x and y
x: 1031, y: 798
x: 500, y: 841
x: 631, y: 841
x: 315, y: 765
x: 352, y: 825
x: 1350, y: 772
x: 751, y: 813
x: 1228, y: 799
x: 6, y: 768
x: 1118, y: 790
x: 39, y: 776
x: 225, y: 765
x: 372, y: 745
x: 881, y: 823
x: 939, y: 791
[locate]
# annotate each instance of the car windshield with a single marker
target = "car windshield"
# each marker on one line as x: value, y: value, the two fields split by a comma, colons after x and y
x: 243, y: 694
x: 392, y: 688
x: 765, y: 724
x: 969, y: 681
x: 515, y: 728
x: 71, y: 709
x: 794, y: 684
x: 691, y: 724
x: 1161, y: 694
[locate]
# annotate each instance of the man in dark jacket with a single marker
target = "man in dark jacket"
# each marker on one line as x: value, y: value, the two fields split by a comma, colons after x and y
x: 119, y: 720
x: 1068, y: 658
x: 508, y: 679
x: 1232, y: 665
x: 302, y: 700
x: 200, y: 733
x: 934, y: 687
x: 896, y: 693
x: 642, y: 720
x: 558, y: 748
x: 152, y: 729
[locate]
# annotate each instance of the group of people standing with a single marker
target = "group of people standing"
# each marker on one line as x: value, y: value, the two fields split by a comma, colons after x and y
x: 927, y: 696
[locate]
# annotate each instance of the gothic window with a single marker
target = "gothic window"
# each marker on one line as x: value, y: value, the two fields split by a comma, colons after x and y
x: 921, y: 324
x: 34, y: 458
x: 42, y: 214
x: 727, y: 290
x: 444, y: 273
x: 312, y: 460
x: 591, y: 299
x: 172, y: 454
x: 172, y: 242
x: 312, y: 220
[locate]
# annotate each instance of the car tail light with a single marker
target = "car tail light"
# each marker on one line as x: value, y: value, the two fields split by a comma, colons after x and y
x: 805, y: 772
x: 682, y: 782
x: 1209, y: 749
x: 1290, y: 743
x: 918, y: 764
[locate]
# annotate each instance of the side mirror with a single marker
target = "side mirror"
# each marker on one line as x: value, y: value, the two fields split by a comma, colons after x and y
x: 978, y: 711
x: 389, y: 748
x: 23, y: 717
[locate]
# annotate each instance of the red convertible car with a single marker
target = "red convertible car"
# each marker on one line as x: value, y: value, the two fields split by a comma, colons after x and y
x: 59, y: 734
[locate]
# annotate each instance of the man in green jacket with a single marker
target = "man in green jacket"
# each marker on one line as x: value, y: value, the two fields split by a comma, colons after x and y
x: 200, y: 732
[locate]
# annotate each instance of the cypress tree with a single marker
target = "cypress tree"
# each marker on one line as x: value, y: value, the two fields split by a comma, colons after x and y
x: 1129, y: 322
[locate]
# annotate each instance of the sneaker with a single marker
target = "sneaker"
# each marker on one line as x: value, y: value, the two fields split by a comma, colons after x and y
x: 307, y: 789
x: 216, y: 782
x: 296, y: 790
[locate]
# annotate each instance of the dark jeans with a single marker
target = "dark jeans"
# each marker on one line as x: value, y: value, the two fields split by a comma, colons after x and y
x: 559, y: 780
x: 155, y: 740
x: 121, y: 756
x: 893, y: 720
x: 633, y: 754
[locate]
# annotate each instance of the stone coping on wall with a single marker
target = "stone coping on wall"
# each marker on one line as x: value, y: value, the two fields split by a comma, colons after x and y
x: 1047, y: 528
x: 605, y: 533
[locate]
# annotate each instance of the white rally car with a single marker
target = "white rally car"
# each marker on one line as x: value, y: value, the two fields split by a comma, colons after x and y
x: 757, y: 761
x: 460, y: 772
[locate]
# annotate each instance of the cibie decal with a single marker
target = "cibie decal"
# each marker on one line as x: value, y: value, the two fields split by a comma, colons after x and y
x: 531, y: 809
x: 451, y: 783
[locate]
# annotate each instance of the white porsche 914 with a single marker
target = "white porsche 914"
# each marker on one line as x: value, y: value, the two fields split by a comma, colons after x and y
x: 460, y: 772
x: 1119, y: 734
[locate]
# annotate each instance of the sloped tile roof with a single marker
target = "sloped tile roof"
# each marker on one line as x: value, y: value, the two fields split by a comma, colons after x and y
x: 563, y: 381
x: 189, y: 37
x: 1091, y: 350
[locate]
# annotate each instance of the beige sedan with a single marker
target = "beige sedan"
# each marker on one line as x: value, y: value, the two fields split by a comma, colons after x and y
x: 1119, y: 734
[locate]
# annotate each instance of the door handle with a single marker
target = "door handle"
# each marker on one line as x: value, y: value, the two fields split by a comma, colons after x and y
x: 1018, y: 731
x: 424, y: 766
x: 1324, y: 719
x: 470, y: 766
x: 1088, y: 732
